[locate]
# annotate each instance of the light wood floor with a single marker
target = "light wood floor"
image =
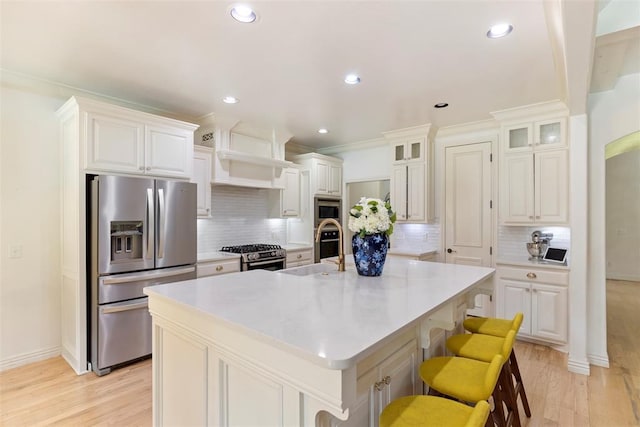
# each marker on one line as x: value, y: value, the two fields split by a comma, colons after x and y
x: 49, y: 393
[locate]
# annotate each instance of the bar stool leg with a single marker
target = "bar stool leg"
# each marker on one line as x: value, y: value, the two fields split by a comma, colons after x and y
x: 510, y: 400
x: 519, y: 387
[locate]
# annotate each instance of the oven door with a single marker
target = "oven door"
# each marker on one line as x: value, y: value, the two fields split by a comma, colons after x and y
x: 272, y: 265
x: 328, y: 246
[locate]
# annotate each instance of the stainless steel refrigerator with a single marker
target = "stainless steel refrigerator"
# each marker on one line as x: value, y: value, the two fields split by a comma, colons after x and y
x: 143, y: 233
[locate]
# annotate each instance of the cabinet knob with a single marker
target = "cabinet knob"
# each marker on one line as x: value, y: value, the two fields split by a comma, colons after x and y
x: 141, y: 168
x: 531, y: 275
x: 299, y: 256
x: 219, y: 268
x: 148, y: 168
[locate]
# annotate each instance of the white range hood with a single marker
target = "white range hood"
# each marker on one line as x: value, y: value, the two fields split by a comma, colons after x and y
x: 244, y: 155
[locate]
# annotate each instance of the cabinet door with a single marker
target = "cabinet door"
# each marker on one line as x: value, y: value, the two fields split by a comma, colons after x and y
x: 398, y: 372
x: 549, y: 312
x: 518, y: 138
x: 550, y: 134
x: 551, y: 187
x: 322, y: 178
x: 202, y: 177
x: 114, y: 144
x: 415, y: 192
x: 335, y: 180
x: 399, y: 191
x: 168, y: 152
x: 291, y: 193
x: 404, y: 151
x: 515, y: 297
x: 517, y: 183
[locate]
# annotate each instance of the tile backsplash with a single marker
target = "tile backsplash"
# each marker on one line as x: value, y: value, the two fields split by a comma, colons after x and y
x: 416, y: 235
x: 239, y: 216
x: 511, y: 240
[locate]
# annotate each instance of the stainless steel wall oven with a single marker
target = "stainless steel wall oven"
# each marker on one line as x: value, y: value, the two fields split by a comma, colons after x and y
x: 329, y: 244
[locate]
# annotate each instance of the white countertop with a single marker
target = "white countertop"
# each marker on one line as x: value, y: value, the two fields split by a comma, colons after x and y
x: 329, y: 319
x: 526, y: 261
x: 216, y: 256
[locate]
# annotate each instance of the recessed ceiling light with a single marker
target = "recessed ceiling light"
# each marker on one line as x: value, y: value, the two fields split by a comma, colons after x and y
x: 441, y: 105
x: 230, y: 100
x: 352, y: 79
x: 242, y: 13
x: 499, y: 30
x: 323, y: 130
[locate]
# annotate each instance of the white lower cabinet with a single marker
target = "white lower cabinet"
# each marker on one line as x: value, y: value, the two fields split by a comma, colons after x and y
x: 541, y: 295
x: 393, y: 377
x: 298, y: 257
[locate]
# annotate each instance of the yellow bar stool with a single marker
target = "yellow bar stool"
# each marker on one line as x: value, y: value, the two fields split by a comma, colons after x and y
x: 464, y: 379
x: 499, y: 328
x: 431, y: 411
x: 483, y: 348
x: 472, y: 380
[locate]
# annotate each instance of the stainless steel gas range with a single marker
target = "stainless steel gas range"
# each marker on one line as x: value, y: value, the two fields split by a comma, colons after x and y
x: 259, y: 256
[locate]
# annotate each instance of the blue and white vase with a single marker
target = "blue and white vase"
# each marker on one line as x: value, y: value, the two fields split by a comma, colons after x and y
x: 369, y: 253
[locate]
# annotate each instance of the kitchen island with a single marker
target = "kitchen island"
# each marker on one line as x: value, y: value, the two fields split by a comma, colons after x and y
x: 304, y: 347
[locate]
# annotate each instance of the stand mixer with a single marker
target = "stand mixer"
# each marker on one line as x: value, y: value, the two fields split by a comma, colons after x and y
x: 539, y: 244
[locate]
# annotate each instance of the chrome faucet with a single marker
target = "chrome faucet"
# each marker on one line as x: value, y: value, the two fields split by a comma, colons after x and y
x: 340, y: 247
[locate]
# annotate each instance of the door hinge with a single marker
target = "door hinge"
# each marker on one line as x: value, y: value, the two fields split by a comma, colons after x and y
x: 490, y: 298
x: 490, y: 204
x: 490, y: 250
x: 491, y: 157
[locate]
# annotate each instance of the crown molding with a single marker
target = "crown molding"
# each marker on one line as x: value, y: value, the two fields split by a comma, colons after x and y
x: 483, y: 128
x: 550, y: 108
x: 354, y: 146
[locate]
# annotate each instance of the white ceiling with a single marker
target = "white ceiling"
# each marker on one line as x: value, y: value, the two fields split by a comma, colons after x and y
x: 287, y: 69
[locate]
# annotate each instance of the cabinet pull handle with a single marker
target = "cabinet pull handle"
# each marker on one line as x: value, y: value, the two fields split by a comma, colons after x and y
x: 219, y: 268
x: 531, y: 275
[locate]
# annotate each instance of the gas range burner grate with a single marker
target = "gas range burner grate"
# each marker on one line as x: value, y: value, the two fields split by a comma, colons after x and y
x: 244, y: 249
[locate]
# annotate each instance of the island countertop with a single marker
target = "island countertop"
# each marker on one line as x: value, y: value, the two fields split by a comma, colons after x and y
x: 328, y: 319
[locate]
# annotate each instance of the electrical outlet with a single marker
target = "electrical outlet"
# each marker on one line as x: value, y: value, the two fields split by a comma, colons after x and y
x: 15, y: 251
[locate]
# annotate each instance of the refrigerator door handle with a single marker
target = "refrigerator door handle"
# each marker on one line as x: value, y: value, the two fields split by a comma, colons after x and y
x: 161, y: 216
x: 145, y: 276
x: 150, y: 223
x: 127, y: 307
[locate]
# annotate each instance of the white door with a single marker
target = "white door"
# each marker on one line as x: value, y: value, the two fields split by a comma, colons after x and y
x: 468, y: 206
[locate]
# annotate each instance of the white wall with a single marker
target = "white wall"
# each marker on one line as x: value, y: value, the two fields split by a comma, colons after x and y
x: 623, y: 216
x: 30, y: 224
x: 613, y: 114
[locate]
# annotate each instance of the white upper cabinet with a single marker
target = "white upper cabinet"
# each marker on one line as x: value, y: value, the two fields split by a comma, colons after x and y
x: 326, y: 173
x: 534, y: 170
x: 408, y: 151
x: 412, y: 195
x: 539, y: 135
x: 121, y: 140
x: 202, y: 157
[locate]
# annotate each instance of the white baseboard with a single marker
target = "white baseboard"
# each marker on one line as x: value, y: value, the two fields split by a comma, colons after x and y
x: 579, y: 367
x: 625, y: 277
x: 26, y: 358
x: 598, y: 360
x: 79, y: 368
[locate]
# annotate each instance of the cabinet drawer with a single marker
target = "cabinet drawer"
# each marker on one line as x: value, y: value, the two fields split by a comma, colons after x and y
x: 218, y: 267
x: 534, y: 275
x: 298, y: 257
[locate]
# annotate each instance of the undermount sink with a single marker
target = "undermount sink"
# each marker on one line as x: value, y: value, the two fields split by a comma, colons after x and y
x: 308, y: 270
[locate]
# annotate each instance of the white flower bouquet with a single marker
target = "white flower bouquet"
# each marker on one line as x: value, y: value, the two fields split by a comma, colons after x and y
x: 371, y: 216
